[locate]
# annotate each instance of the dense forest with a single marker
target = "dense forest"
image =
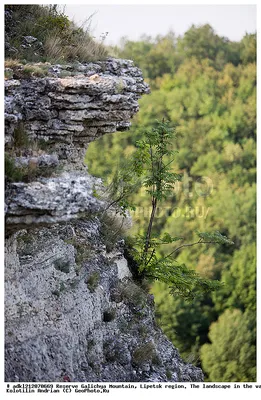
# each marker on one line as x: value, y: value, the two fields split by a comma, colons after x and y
x: 205, y: 85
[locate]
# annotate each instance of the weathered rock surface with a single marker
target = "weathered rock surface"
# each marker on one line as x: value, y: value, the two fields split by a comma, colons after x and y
x: 72, y: 310
x: 100, y: 98
x: 50, y: 200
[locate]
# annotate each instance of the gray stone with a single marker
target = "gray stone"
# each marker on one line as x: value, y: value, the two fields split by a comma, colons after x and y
x: 58, y: 109
x: 50, y: 200
x: 30, y: 39
x: 42, y: 161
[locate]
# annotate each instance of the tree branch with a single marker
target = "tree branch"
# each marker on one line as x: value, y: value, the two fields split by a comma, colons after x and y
x: 151, y: 256
x: 188, y: 245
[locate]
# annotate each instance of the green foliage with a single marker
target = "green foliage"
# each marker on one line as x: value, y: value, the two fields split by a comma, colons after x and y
x: 12, y: 173
x: 83, y: 253
x: 248, y: 49
x: 122, y: 186
x: 168, y: 374
x: 26, y: 173
x: 8, y: 73
x: 149, y: 163
x: 231, y: 355
x: 58, y: 38
x: 144, y: 353
x: 154, y: 56
x: 54, y: 20
x: 83, y: 250
x: 164, y: 55
x: 20, y: 137
x: 181, y: 281
x: 203, y: 43
x: 133, y: 294
x: 112, y: 228
x: 31, y: 71
x: 215, y: 237
x: 93, y: 281
x: 241, y: 276
x: 185, y: 323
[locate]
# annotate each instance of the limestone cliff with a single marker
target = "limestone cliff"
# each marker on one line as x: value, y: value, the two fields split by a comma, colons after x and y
x: 72, y: 309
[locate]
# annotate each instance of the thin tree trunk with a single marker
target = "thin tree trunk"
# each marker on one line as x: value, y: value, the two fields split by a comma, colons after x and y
x: 148, y: 234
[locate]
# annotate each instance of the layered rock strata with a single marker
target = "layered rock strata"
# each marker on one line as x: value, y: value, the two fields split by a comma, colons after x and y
x: 74, y: 110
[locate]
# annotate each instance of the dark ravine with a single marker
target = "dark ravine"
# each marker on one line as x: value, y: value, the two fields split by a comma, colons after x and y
x: 72, y: 308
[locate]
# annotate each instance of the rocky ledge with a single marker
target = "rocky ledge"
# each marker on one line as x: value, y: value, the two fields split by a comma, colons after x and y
x: 75, y: 104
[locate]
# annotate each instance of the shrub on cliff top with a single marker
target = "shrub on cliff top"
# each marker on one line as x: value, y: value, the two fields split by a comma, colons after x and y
x: 45, y: 33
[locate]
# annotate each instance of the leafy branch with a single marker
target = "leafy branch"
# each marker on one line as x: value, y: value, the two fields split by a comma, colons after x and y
x: 205, y: 238
x: 150, y: 167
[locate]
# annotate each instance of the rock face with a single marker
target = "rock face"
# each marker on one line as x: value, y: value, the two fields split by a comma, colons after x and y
x: 50, y: 200
x: 72, y: 111
x: 73, y: 311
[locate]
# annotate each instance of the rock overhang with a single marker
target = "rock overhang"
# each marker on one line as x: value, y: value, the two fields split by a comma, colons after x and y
x: 67, y: 109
